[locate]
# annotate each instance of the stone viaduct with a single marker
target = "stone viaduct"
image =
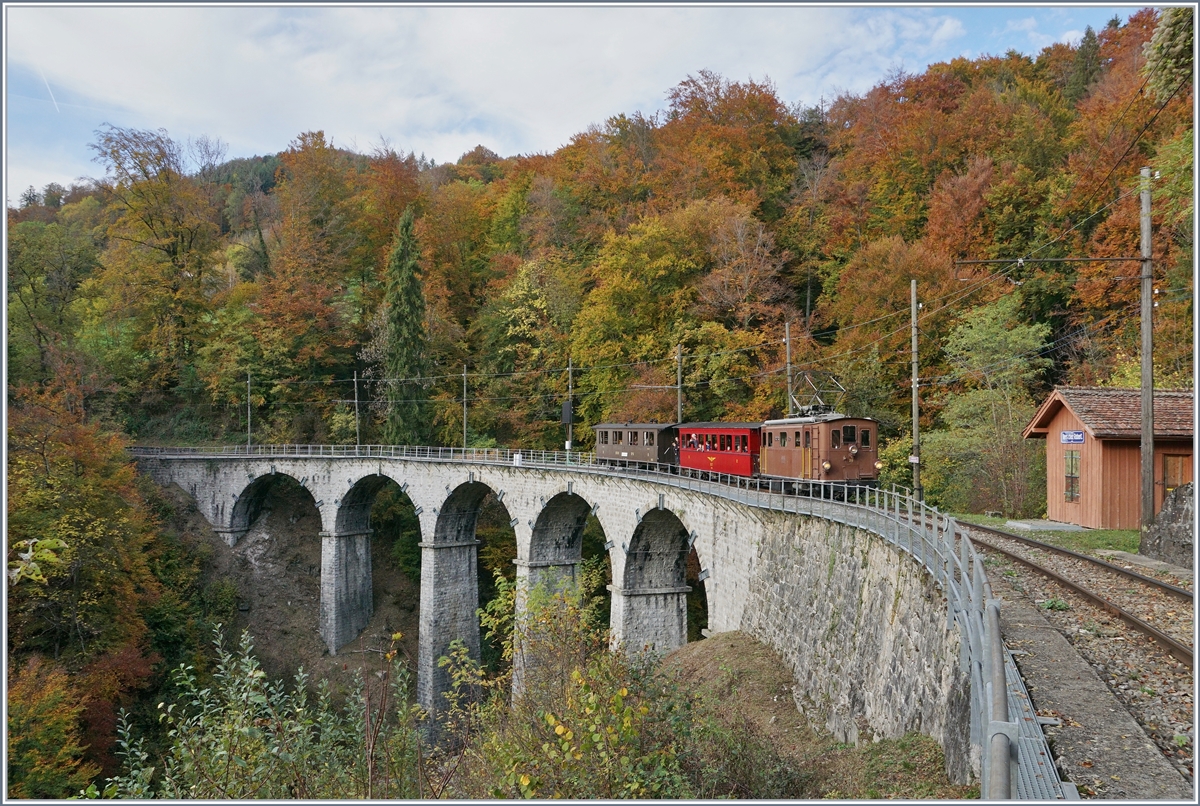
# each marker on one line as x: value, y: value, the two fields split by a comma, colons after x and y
x: 868, y: 633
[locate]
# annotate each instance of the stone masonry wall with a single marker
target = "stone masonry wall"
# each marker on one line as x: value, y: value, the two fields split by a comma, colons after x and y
x: 865, y: 631
x: 1172, y: 536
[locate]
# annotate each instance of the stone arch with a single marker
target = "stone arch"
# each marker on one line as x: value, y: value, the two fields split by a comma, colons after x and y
x: 354, y: 508
x: 249, y: 503
x: 460, y: 512
x: 650, y: 606
x: 657, y: 553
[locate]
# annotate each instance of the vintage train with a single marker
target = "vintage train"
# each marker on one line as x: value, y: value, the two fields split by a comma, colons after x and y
x: 818, y: 445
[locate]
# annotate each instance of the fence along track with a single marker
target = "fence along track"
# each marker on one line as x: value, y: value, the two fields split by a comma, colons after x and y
x: 930, y: 537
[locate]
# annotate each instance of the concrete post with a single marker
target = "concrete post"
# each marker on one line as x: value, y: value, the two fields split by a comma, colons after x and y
x: 449, y: 599
x: 346, y: 591
x: 553, y: 575
x: 654, y: 619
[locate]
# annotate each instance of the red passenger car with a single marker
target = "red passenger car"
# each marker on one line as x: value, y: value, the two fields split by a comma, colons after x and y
x: 730, y: 448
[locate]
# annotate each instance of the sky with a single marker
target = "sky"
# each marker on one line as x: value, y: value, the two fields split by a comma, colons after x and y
x: 439, y: 80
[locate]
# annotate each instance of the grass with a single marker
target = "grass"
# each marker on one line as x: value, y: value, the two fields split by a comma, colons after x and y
x: 1085, y: 541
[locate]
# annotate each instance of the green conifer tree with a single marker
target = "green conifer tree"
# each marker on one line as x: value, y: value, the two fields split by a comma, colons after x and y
x: 1086, y: 68
x: 404, y: 357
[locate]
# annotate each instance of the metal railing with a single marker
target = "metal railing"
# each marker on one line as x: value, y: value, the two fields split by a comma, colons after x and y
x: 929, y: 536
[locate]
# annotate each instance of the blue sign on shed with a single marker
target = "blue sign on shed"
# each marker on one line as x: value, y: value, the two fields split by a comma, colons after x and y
x: 1071, y: 437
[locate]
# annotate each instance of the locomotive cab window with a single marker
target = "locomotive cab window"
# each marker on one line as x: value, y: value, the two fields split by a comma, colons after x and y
x: 808, y: 439
x: 864, y: 437
x: 849, y: 434
x: 835, y: 438
x: 770, y: 439
x: 649, y: 443
x: 796, y: 440
x: 783, y: 439
x: 633, y: 437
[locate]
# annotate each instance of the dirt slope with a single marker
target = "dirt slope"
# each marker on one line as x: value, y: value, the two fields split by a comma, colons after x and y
x: 750, y: 682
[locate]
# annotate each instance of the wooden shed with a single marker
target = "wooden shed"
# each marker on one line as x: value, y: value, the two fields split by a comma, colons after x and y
x: 1093, y: 452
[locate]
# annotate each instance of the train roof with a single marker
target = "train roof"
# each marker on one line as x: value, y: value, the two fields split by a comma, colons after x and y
x: 821, y: 417
x: 720, y: 425
x: 659, y: 426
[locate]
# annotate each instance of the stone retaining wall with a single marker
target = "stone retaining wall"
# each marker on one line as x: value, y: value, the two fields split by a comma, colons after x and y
x: 1172, y: 536
x: 865, y: 631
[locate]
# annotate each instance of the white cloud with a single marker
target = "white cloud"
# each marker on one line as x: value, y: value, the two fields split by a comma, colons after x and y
x: 437, y: 80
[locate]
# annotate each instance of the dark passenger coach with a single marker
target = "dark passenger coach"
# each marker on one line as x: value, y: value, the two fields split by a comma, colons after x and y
x: 635, y: 443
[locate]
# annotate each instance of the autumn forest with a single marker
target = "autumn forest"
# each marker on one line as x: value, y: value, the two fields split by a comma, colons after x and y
x: 321, y: 295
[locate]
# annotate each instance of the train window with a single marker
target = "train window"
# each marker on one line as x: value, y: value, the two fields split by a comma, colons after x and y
x: 835, y: 438
x: 691, y: 442
x: 783, y: 439
x: 745, y: 443
x: 770, y: 439
x: 808, y: 439
x: 649, y: 443
x: 796, y: 441
x: 602, y: 437
x: 865, y: 437
x: 849, y: 434
x: 618, y: 437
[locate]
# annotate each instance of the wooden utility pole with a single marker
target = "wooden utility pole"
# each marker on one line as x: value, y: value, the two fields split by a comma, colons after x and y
x: 787, y: 342
x: 247, y: 411
x: 1147, y: 362
x: 570, y: 402
x: 464, y: 407
x: 915, y: 459
x: 357, y: 432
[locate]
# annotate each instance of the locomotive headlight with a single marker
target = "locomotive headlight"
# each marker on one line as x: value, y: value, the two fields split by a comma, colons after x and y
x: 879, y: 465
x: 826, y: 466
x: 854, y: 450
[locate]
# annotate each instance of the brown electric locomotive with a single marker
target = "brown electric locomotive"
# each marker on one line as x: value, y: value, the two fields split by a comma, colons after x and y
x: 821, y: 445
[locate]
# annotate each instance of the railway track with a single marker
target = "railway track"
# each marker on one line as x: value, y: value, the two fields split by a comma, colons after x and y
x: 1148, y: 667
x: 1182, y: 593
x: 1177, y: 649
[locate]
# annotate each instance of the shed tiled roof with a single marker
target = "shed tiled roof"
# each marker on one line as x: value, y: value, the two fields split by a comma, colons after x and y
x: 1117, y: 413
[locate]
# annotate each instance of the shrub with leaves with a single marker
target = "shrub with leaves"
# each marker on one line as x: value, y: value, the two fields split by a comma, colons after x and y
x: 247, y: 737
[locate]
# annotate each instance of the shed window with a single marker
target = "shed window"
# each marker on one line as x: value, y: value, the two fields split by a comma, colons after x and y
x: 1072, y: 475
x: 649, y: 439
x: 633, y: 437
x: 865, y: 437
x: 602, y: 437
x: 618, y: 437
x: 849, y: 435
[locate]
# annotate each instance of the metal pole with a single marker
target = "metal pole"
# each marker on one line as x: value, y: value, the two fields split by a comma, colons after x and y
x: 464, y: 407
x: 357, y: 432
x: 1147, y: 363
x: 915, y: 459
x: 787, y: 341
x: 679, y: 383
x: 247, y: 411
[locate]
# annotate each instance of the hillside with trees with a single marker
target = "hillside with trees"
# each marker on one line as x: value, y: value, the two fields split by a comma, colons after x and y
x: 146, y: 305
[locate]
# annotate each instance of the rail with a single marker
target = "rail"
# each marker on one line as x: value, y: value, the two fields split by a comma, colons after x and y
x: 923, y: 532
